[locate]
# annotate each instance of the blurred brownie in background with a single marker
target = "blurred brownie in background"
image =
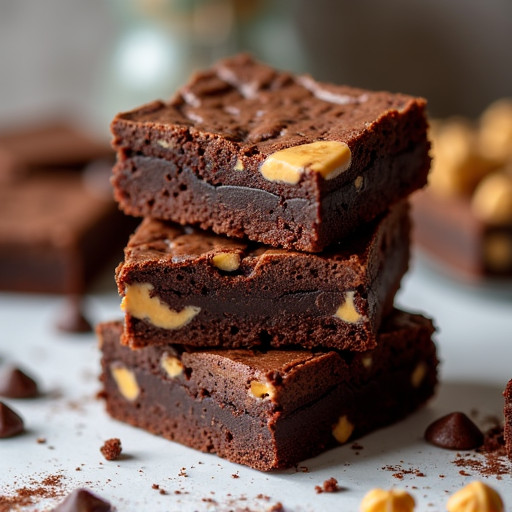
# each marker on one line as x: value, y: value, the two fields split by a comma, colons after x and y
x: 464, y: 218
x: 58, y: 221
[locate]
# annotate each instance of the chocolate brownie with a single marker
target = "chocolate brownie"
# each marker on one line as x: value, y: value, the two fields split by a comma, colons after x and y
x: 507, y: 431
x: 269, y: 409
x: 48, y: 146
x: 184, y: 286
x: 246, y: 150
x: 448, y: 231
x: 56, y: 232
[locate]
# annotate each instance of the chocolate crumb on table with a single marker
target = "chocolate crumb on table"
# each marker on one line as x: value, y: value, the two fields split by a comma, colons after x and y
x: 330, y: 485
x: 111, y: 449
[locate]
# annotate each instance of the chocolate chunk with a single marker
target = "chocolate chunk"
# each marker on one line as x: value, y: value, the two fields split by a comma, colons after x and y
x: 10, y: 423
x: 72, y: 318
x: 111, y: 449
x: 14, y: 383
x: 82, y: 500
x: 455, y: 431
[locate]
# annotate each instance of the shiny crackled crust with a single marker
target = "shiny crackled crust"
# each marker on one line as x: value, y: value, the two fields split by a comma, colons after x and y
x: 220, y: 128
x: 175, y: 289
x: 249, y: 406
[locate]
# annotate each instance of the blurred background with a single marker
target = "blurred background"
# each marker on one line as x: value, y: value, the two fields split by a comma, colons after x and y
x: 82, y: 61
x: 89, y: 59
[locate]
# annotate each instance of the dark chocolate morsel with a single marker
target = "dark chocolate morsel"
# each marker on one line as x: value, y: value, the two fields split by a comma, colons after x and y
x: 14, y: 383
x: 455, y: 431
x: 82, y: 500
x: 72, y: 318
x: 10, y: 423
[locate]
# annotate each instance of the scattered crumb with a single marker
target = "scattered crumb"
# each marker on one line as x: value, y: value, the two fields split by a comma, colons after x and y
x: 155, y: 486
x: 302, y: 469
x: 399, y: 472
x: 162, y: 491
x: 235, y: 475
x: 277, y: 507
x: 330, y: 485
x: 41, y: 440
x: 183, y: 472
x: 357, y: 446
x: 111, y: 449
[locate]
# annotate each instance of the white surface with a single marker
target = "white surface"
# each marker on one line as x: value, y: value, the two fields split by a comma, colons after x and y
x: 475, y: 345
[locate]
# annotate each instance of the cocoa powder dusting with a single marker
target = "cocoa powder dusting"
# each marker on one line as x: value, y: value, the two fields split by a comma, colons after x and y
x: 488, y: 460
x: 36, y: 490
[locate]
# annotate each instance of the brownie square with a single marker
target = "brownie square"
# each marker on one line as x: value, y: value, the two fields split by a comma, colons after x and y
x: 57, y: 232
x: 182, y: 285
x: 269, y: 409
x: 249, y: 151
x: 467, y: 247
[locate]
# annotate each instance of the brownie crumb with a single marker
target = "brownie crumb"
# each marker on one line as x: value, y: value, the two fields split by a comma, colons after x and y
x: 41, y: 440
x: 155, y: 486
x: 235, y: 475
x: 277, y: 507
x: 330, y: 485
x: 162, y: 491
x: 490, y: 459
x: 357, y: 446
x: 111, y: 449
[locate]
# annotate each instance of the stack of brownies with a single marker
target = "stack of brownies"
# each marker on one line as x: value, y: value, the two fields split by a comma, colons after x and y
x: 258, y: 290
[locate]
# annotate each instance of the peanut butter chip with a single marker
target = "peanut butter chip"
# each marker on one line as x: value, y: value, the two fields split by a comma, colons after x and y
x: 394, y: 500
x: 418, y: 374
x: 342, y: 430
x: 172, y: 365
x: 498, y: 251
x: 139, y: 303
x: 347, y: 311
x: 261, y: 389
x: 126, y: 381
x: 227, y: 261
x: 328, y: 158
x: 239, y: 166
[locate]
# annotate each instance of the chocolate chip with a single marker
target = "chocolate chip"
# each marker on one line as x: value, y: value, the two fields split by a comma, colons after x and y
x: 82, y: 500
x: 455, y: 431
x: 14, y: 383
x: 10, y: 423
x: 72, y: 318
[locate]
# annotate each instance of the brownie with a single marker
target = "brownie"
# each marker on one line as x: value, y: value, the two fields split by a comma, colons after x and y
x: 269, y: 409
x: 185, y: 286
x: 449, y: 232
x: 46, y: 146
x: 56, y: 233
x: 249, y: 151
x: 507, y: 431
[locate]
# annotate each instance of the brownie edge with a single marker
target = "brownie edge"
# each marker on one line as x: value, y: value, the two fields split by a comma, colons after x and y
x: 269, y: 409
x: 202, y: 158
